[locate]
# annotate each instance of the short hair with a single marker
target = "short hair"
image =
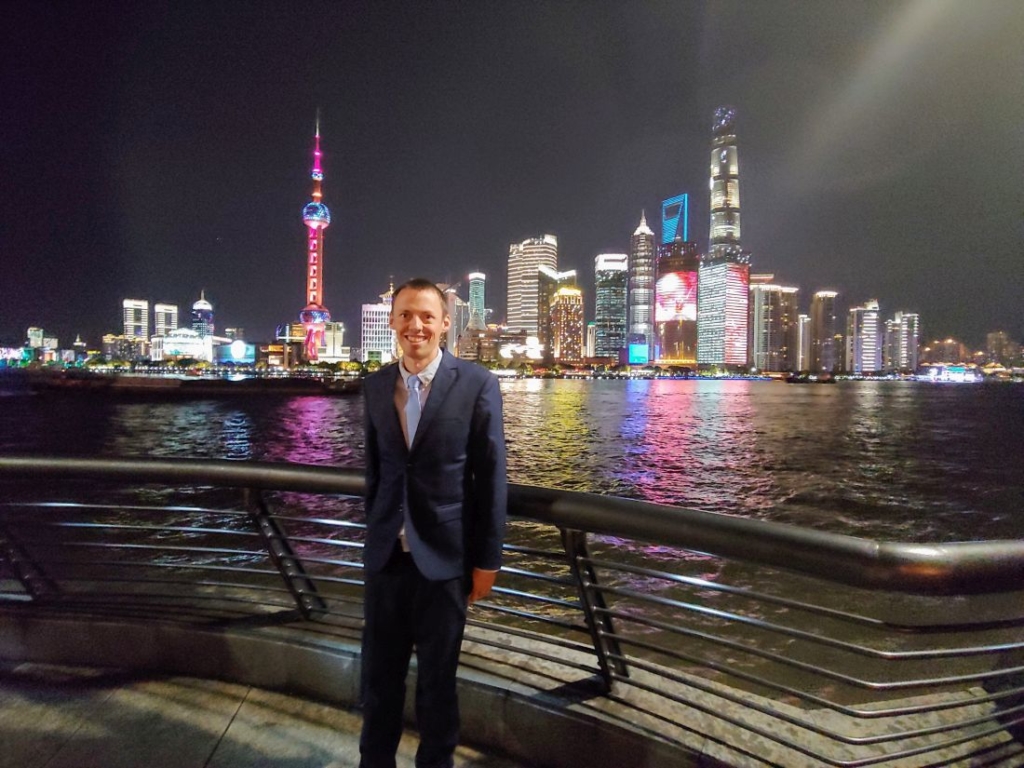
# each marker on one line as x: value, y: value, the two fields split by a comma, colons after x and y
x: 422, y: 284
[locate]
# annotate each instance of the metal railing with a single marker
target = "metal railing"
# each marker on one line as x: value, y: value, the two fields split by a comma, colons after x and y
x: 738, y: 638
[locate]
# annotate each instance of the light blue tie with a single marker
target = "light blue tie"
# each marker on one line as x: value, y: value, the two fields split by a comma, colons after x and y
x: 412, y: 407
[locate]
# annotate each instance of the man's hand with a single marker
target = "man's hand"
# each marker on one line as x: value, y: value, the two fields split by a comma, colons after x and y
x: 482, y: 583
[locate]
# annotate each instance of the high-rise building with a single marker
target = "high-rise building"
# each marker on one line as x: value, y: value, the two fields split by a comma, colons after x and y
x: 37, y: 338
x: 477, y: 305
x: 774, y: 327
x: 524, y: 261
x: 377, y: 340
x: 902, y: 342
x: 864, y: 339
x: 458, y: 315
x: 723, y: 294
x: 567, y: 325
x: 675, y: 219
x: 548, y: 283
x: 675, y: 304
x: 611, y: 278
x: 803, y: 333
x: 317, y: 217
x: 136, y: 318
x: 1001, y: 348
x: 165, y: 318
x: 202, y: 316
x: 823, y: 357
x: 641, y: 294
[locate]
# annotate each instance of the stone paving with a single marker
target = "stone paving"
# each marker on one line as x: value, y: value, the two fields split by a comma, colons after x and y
x: 77, y: 717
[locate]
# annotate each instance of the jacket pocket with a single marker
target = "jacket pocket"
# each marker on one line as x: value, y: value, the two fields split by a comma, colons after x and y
x: 449, y: 512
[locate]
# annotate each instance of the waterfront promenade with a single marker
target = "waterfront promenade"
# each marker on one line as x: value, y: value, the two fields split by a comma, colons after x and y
x: 55, y: 716
x: 623, y: 633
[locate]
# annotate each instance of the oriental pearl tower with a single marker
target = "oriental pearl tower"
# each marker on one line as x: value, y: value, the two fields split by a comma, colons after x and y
x: 317, y: 218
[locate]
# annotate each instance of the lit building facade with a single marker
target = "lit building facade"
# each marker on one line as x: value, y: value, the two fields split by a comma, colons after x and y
x: 202, y: 316
x: 803, y: 361
x: 1001, y: 348
x: 377, y: 340
x: 165, y: 318
x: 611, y: 280
x: 675, y: 304
x: 458, y: 313
x: 675, y: 219
x: 477, y: 303
x: 864, y: 339
x: 823, y: 357
x: 902, y: 342
x: 524, y: 261
x: 182, y: 344
x: 723, y: 293
x: 317, y: 217
x: 567, y: 325
x: 136, y: 318
x: 548, y: 283
x: 641, y: 294
x: 774, y: 328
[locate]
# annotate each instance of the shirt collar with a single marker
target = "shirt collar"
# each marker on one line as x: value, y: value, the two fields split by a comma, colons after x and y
x: 426, y: 375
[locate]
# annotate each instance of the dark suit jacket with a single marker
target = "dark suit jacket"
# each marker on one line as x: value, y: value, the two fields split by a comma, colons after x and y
x: 450, y: 488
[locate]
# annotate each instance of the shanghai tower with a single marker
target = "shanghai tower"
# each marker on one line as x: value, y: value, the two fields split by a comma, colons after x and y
x: 723, y: 294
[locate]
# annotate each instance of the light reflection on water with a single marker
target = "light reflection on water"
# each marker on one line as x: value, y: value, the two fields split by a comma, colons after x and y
x: 886, y: 460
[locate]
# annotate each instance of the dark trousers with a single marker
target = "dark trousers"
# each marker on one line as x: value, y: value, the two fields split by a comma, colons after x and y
x: 403, y: 610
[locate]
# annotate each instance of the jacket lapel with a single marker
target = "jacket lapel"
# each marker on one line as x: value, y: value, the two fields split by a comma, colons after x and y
x: 439, y: 388
x: 387, y: 413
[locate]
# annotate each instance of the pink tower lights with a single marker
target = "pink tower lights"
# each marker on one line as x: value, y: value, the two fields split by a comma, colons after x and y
x: 317, y: 218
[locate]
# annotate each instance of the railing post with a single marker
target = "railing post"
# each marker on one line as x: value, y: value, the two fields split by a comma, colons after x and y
x: 34, y: 581
x: 602, y: 631
x: 288, y: 564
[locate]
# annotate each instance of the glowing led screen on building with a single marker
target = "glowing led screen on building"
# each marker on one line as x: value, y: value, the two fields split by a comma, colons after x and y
x: 639, y: 354
x: 676, y: 297
x: 237, y: 351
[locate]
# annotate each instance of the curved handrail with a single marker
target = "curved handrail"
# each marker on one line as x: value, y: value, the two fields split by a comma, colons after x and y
x: 905, y: 567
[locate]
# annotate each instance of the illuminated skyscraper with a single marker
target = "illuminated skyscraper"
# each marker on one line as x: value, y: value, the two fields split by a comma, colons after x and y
x: 136, y: 318
x: 567, y: 325
x: 317, y: 218
x: 202, y: 316
x: 864, y: 339
x: 902, y: 341
x: 675, y: 219
x: 377, y: 341
x: 165, y: 318
x: 823, y: 357
x: 548, y: 283
x: 803, y: 361
x: 675, y: 304
x: 458, y: 313
x: 774, y: 327
x: 641, y: 294
x: 611, y: 276
x: 723, y: 287
x: 477, y: 306
x: 524, y: 259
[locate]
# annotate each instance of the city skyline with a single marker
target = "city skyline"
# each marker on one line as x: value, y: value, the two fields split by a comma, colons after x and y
x: 874, y: 151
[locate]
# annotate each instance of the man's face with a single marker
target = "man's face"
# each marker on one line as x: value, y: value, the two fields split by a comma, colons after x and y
x: 418, y: 319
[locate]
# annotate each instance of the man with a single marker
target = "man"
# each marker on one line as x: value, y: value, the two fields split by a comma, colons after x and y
x: 435, y: 513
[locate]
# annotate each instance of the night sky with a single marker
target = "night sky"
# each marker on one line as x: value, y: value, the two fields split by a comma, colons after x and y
x: 152, y: 150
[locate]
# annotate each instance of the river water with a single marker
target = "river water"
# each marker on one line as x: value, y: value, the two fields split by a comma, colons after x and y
x: 888, y: 460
